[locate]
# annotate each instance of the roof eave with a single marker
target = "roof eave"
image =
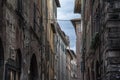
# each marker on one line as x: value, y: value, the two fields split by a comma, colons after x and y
x: 57, y: 3
x: 73, y: 22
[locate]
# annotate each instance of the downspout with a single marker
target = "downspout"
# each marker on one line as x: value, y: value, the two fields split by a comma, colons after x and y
x: 83, y: 35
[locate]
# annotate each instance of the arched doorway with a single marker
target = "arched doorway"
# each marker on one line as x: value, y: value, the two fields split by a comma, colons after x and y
x: 97, y: 71
x: 1, y: 53
x: 92, y: 71
x: 18, y: 62
x: 1, y: 59
x: 33, y: 68
x: 88, y: 74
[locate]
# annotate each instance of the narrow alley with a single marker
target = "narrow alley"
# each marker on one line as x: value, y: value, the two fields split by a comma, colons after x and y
x: 59, y: 39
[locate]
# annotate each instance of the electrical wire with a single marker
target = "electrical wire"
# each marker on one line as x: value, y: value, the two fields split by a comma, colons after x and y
x: 59, y: 19
x: 62, y: 20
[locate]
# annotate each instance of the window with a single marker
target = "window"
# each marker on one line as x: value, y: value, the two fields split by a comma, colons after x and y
x: 1, y: 53
x: 19, y: 5
x: 11, y: 75
x: 82, y: 66
x: 34, y: 16
x: 92, y: 71
x: 88, y: 73
x: 93, y: 2
x: 13, y: 67
x: 63, y: 47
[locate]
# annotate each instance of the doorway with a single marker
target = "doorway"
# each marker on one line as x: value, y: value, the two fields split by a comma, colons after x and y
x: 33, y: 68
x: 1, y: 53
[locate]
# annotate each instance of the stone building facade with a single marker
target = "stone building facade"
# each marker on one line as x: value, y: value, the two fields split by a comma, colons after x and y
x: 73, y: 66
x: 101, y: 39
x: 78, y: 29
x: 62, y: 42
x: 51, y: 32
x: 77, y: 26
x: 22, y: 32
x: 23, y: 40
x: 69, y: 58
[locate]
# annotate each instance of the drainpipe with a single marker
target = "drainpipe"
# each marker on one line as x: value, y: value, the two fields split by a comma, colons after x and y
x: 83, y: 42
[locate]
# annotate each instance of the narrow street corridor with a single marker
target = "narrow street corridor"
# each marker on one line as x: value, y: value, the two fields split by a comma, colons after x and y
x: 59, y: 39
